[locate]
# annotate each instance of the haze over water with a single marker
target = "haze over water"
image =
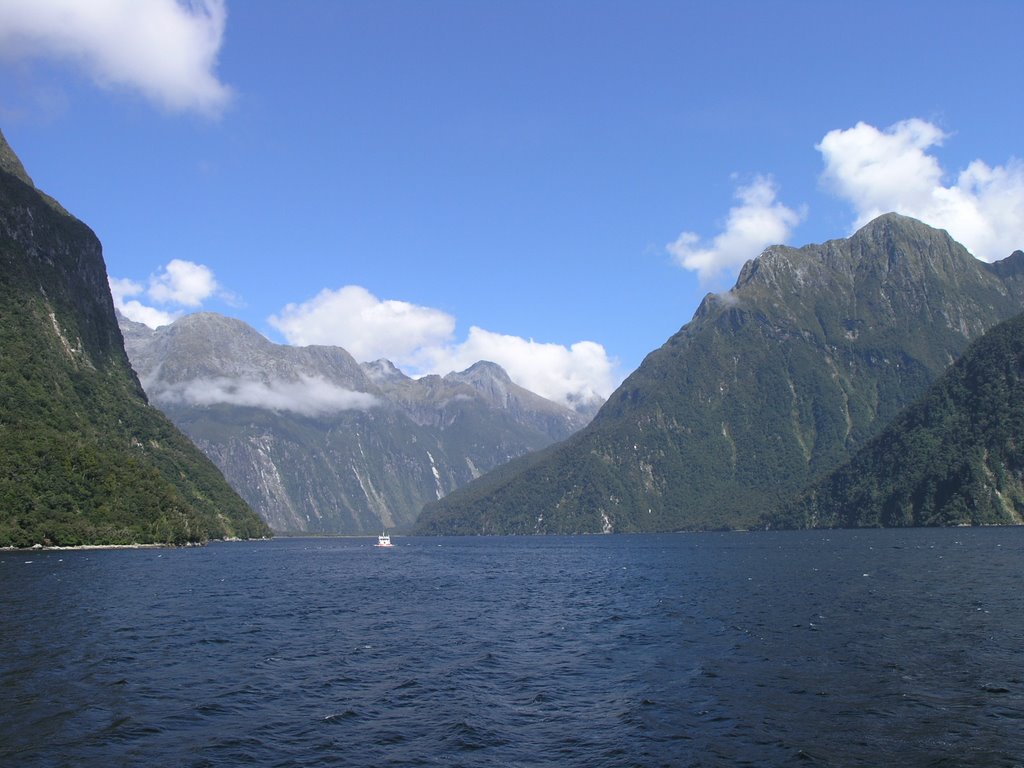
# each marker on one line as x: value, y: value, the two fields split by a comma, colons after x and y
x: 838, y: 648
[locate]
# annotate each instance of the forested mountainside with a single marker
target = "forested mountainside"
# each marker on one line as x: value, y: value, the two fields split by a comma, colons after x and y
x: 84, y: 459
x: 812, y: 353
x: 954, y: 457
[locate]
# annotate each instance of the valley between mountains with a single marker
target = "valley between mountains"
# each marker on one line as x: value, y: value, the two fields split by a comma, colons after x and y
x: 868, y: 380
x: 319, y: 443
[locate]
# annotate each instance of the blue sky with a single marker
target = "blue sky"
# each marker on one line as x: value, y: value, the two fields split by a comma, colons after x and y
x: 552, y: 185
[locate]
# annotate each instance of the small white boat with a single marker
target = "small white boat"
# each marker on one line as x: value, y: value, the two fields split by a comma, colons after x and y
x: 384, y: 540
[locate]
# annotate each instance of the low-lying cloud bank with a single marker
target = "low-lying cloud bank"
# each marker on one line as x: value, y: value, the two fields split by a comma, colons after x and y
x: 308, y: 395
x: 420, y: 340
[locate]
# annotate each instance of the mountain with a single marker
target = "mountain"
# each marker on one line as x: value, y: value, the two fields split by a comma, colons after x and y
x: 811, y: 354
x: 84, y: 459
x: 954, y: 457
x: 317, y: 442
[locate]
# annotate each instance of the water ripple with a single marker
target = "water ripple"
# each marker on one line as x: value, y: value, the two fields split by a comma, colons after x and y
x: 687, y: 650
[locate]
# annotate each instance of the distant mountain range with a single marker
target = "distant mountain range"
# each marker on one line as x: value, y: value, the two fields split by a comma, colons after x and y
x: 84, y: 459
x: 317, y: 442
x: 826, y: 388
x: 954, y: 457
x: 771, y: 385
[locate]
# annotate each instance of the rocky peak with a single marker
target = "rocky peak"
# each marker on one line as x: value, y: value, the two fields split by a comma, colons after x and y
x: 772, y: 383
x: 10, y: 163
x: 898, y: 248
x: 383, y: 372
x: 489, y: 379
x: 892, y: 272
x: 890, y: 243
x: 485, y: 368
x: 891, y: 229
x: 206, y: 345
x: 483, y: 375
x: 1012, y: 267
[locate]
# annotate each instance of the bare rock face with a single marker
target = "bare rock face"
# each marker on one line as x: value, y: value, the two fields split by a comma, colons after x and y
x: 317, y: 442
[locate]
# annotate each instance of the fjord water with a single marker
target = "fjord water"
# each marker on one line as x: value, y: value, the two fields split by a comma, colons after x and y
x: 838, y: 648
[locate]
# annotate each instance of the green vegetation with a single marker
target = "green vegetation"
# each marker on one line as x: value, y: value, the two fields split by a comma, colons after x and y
x: 955, y: 457
x: 769, y: 386
x: 83, y: 458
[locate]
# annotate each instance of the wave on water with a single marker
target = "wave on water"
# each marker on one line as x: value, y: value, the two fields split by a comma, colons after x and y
x: 836, y: 648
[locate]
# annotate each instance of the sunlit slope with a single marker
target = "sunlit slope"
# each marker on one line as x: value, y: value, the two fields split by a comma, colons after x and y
x: 776, y: 382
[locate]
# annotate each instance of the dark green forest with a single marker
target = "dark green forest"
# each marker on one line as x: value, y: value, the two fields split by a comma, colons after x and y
x: 84, y: 459
x: 955, y: 457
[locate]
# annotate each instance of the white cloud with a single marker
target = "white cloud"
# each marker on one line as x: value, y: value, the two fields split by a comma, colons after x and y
x: 308, y: 395
x: 179, y: 286
x: 578, y: 374
x: 420, y: 340
x: 121, y: 289
x: 757, y: 222
x: 183, y: 282
x: 151, y: 316
x: 367, y: 327
x: 165, y: 49
x: 879, y: 171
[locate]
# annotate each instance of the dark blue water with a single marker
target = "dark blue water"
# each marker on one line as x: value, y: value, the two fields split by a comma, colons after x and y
x: 834, y: 649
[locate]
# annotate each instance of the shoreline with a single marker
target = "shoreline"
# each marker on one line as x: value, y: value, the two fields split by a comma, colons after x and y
x: 77, y: 547
x: 41, y: 548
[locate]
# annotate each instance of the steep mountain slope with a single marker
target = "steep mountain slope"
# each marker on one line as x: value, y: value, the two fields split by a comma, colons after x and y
x: 954, y: 457
x: 810, y: 354
x: 84, y: 459
x: 315, y: 441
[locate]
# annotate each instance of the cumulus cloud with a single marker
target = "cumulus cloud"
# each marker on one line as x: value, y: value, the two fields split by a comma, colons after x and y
x: 879, y: 171
x: 755, y: 223
x: 121, y: 289
x: 138, y: 312
x: 575, y: 375
x: 421, y: 340
x: 178, y: 286
x: 183, y: 282
x: 165, y: 49
x: 366, y: 326
x: 308, y: 395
